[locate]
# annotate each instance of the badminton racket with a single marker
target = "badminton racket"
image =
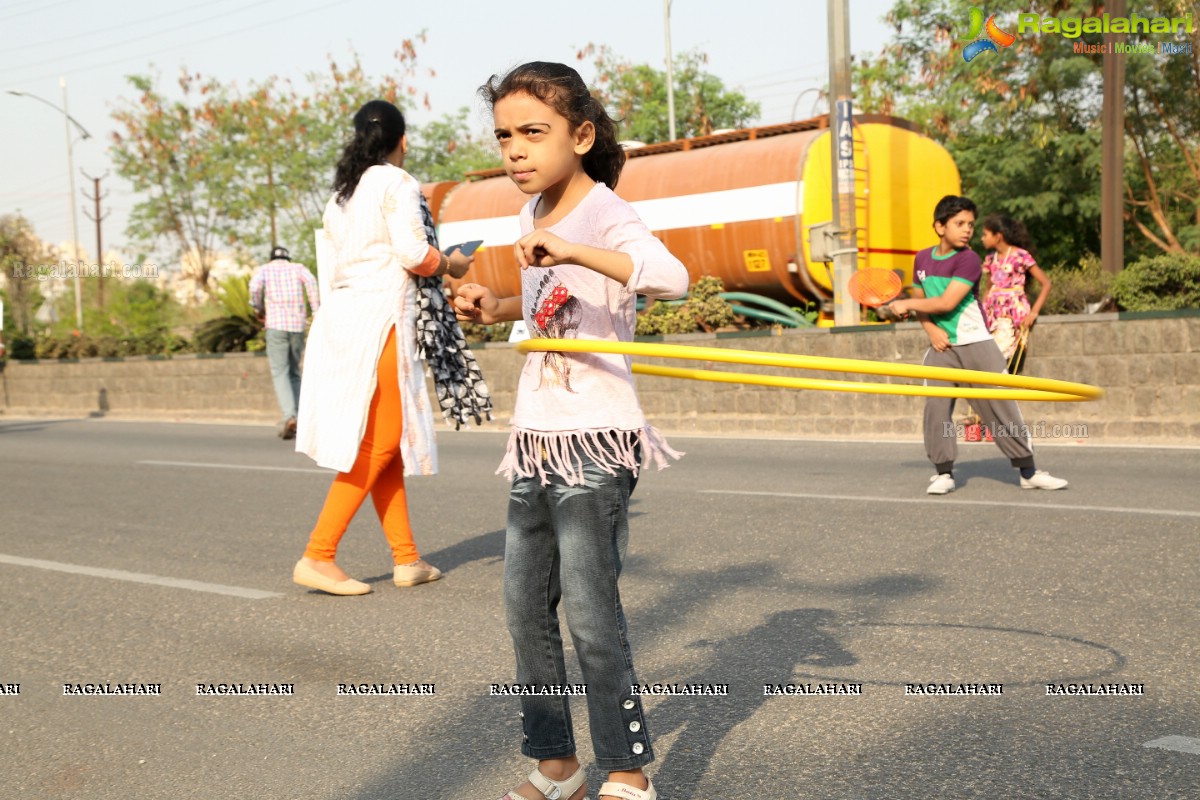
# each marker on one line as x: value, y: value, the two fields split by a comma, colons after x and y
x: 874, y: 287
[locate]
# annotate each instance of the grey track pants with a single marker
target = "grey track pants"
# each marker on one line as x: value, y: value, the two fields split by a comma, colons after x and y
x: 1002, y: 417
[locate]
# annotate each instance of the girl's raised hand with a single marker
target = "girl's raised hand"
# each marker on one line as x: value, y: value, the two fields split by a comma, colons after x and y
x: 475, y: 303
x: 542, y: 249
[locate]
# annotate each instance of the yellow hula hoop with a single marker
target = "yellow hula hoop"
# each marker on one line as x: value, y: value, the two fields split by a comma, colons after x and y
x: 1020, y: 387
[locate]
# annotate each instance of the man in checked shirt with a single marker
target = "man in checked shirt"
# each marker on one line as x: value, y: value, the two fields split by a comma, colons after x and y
x: 277, y: 291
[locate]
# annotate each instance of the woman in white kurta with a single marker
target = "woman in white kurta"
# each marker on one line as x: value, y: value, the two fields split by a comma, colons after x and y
x: 364, y: 409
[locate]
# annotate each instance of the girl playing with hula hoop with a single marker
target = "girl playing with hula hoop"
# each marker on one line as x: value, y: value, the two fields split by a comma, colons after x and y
x: 579, y: 435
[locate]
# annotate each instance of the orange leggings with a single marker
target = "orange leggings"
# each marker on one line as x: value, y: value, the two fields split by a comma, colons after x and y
x: 378, y: 470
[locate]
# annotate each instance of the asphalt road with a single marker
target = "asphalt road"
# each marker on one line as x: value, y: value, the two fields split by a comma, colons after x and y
x: 161, y: 554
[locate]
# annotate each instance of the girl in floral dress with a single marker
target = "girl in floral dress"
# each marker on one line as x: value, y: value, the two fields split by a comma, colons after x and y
x: 1006, y: 306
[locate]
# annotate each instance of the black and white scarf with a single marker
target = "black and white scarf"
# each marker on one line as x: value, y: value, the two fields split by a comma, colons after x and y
x: 462, y: 392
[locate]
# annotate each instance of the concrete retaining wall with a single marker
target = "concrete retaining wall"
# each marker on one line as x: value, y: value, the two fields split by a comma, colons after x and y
x: 1149, y: 365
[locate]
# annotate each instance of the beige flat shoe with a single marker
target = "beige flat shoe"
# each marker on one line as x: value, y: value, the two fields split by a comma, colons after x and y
x: 416, y: 573
x: 305, y: 575
x: 556, y: 790
x: 626, y: 792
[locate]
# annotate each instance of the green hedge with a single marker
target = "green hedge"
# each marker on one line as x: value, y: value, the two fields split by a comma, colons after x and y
x: 51, y: 347
x: 1159, y: 283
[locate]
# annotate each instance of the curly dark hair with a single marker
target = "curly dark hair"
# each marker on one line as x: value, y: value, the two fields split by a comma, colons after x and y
x: 1012, y: 230
x: 561, y: 88
x: 952, y: 205
x: 378, y: 126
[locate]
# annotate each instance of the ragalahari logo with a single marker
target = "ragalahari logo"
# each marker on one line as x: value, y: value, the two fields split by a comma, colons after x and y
x: 994, y: 37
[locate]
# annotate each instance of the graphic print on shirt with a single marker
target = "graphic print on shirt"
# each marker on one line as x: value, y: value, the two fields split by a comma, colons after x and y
x: 555, y: 316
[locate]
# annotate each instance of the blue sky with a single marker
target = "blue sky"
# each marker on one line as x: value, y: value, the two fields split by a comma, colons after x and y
x: 773, y: 50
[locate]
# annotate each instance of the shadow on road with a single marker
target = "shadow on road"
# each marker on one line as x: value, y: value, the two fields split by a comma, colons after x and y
x: 767, y: 653
x: 32, y: 426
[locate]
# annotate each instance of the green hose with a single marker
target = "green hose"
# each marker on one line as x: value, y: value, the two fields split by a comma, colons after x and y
x: 746, y: 297
x: 766, y: 316
x: 777, y: 312
x: 773, y: 305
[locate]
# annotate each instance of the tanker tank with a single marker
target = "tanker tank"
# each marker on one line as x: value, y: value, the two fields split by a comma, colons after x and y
x: 738, y: 205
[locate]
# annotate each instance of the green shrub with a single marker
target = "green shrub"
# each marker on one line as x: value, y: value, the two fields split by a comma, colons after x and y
x: 22, y: 347
x: 812, y: 312
x: 665, y: 319
x: 476, y: 333
x: 233, y: 293
x: 226, y: 334
x: 703, y: 310
x: 238, y: 327
x: 85, y: 346
x: 705, y: 303
x: 1159, y: 283
x: 1075, y: 288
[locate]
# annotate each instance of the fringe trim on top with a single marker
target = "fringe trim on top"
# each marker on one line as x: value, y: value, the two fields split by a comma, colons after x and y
x: 539, y: 454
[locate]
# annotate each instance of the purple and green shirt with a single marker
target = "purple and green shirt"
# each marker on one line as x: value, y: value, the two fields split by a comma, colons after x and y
x: 934, y: 274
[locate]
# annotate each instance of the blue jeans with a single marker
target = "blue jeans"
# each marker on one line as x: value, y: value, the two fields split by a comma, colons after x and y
x: 568, y: 542
x: 285, y: 351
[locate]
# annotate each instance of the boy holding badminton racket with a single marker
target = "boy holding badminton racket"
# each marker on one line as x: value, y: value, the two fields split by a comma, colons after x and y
x: 946, y: 300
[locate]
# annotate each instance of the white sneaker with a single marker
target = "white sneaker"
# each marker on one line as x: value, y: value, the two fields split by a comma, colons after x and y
x: 942, y: 484
x: 1043, y: 480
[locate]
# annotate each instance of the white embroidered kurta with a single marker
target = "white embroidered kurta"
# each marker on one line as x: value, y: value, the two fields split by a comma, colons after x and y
x: 377, y: 236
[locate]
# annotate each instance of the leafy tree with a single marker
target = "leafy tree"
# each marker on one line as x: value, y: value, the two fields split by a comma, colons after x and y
x: 136, y: 319
x: 636, y: 94
x: 221, y: 168
x: 445, y: 150
x: 176, y: 154
x: 133, y: 309
x: 1023, y: 123
x: 21, y: 252
x: 293, y: 139
x: 1163, y: 123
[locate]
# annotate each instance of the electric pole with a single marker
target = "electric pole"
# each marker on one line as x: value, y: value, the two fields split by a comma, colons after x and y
x: 96, y: 197
x: 841, y: 133
x: 1112, y: 147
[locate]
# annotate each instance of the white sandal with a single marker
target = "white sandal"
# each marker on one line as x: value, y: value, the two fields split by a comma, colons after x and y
x: 553, y: 790
x: 626, y: 792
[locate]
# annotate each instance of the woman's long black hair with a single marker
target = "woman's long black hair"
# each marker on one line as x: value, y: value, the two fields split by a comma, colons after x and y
x: 1012, y: 230
x: 561, y: 88
x: 378, y: 126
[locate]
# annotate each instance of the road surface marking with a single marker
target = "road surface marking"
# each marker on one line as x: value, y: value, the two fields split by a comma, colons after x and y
x: 234, y: 466
x: 1184, y: 744
x: 138, y: 577
x: 931, y: 501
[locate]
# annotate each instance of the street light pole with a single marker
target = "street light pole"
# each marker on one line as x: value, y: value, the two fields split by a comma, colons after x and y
x: 670, y: 72
x: 68, y: 120
x: 74, y: 217
x: 796, y: 105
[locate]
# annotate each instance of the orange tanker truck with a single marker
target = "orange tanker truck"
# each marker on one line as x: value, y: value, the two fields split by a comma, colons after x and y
x: 739, y: 205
